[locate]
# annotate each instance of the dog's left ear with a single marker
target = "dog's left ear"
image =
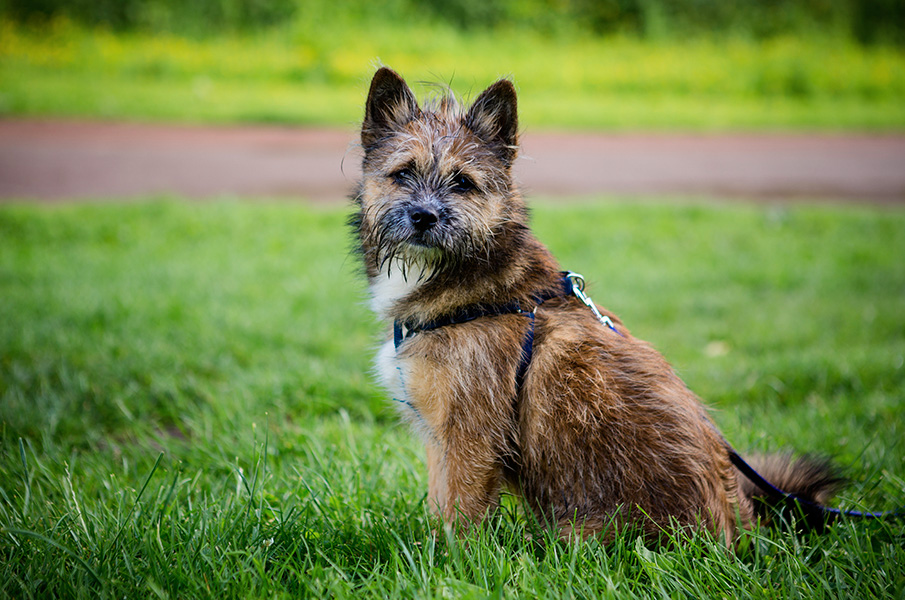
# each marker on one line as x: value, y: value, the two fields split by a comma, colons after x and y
x: 494, y: 118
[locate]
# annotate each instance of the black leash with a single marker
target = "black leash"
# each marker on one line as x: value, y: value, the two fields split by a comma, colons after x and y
x: 816, y: 515
x: 572, y: 284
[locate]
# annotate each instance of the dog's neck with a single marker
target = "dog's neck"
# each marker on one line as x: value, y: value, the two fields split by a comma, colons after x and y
x: 421, y: 292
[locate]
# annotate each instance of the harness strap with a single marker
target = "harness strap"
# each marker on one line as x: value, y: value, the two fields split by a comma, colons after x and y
x: 402, y: 331
x: 527, y: 354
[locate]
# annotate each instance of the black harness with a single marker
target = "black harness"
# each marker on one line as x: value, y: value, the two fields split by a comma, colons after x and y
x: 402, y: 332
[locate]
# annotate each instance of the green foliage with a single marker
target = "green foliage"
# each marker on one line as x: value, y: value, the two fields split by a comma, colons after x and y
x: 879, y: 21
x: 319, y: 72
x: 864, y: 20
x: 196, y: 17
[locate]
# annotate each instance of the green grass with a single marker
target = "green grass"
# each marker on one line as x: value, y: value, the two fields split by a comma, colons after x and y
x: 186, y: 408
x: 319, y: 75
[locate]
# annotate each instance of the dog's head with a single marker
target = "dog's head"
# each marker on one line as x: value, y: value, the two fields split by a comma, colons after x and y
x: 437, y: 187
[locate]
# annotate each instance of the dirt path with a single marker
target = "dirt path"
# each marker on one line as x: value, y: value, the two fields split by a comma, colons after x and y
x: 71, y: 160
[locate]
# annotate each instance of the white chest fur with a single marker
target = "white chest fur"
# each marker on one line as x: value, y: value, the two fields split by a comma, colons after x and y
x: 396, y: 283
x: 387, y: 289
x: 393, y: 374
x: 389, y: 370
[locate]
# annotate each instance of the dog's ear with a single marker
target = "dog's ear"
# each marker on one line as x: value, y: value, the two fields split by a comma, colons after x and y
x: 391, y: 104
x: 494, y: 118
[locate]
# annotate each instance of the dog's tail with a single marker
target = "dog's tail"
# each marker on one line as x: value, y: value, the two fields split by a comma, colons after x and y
x: 798, y: 488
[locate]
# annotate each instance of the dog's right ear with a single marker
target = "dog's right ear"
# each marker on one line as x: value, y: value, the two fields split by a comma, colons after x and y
x: 391, y: 104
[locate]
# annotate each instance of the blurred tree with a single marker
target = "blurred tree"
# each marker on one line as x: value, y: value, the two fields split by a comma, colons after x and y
x: 197, y: 16
x: 879, y: 21
x: 866, y: 21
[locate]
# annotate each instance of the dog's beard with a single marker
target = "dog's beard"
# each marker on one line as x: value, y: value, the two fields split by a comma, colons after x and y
x: 452, y: 242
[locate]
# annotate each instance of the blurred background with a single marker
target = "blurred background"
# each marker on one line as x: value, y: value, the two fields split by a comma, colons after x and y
x: 300, y: 68
x: 612, y: 64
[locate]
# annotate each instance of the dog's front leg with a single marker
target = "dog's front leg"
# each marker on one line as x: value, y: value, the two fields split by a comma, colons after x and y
x: 436, y: 479
x: 464, y: 476
x: 462, y: 400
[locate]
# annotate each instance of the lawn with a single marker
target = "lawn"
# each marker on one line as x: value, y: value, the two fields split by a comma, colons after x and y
x: 186, y: 408
x: 318, y: 75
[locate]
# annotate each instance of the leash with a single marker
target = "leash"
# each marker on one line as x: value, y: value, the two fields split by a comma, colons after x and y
x: 816, y: 515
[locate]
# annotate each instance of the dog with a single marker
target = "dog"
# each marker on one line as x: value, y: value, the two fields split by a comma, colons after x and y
x: 512, y: 377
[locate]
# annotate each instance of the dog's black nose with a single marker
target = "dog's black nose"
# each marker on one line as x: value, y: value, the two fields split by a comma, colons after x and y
x: 423, y: 218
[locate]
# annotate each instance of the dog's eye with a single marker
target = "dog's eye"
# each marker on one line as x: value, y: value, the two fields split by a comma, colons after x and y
x: 402, y: 176
x: 462, y: 184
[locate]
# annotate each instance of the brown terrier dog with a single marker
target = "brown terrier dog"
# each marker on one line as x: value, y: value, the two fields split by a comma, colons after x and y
x: 501, y: 365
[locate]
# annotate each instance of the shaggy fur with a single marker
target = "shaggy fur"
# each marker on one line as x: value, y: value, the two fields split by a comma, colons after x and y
x: 601, y: 432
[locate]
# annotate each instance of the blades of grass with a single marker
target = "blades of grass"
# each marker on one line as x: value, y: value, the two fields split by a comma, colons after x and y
x: 134, y: 504
x: 260, y: 471
x: 50, y: 542
x: 26, y: 479
x: 80, y: 517
x: 405, y: 551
